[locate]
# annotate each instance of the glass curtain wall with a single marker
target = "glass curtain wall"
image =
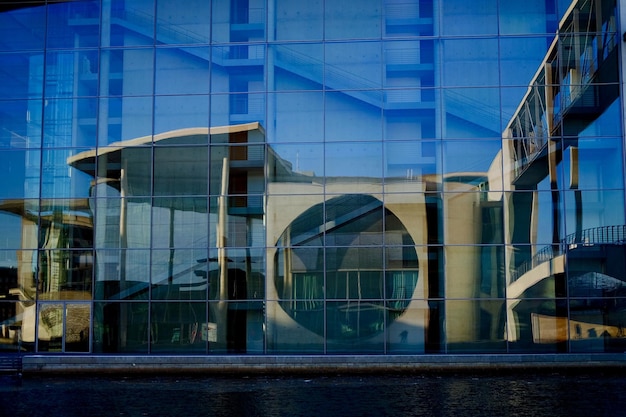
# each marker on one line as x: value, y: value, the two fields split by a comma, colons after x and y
x: 324, y: 177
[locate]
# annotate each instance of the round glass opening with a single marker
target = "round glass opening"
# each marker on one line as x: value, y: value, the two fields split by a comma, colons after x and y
x: 346, y: 267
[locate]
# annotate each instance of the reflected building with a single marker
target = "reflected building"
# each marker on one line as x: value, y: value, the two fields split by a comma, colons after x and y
x: 338, y: 177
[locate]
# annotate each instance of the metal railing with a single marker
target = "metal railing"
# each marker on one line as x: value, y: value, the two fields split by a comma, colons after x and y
x: 604, y: 235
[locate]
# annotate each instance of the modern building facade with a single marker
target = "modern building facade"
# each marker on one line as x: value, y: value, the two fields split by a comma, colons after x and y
x: 271, y: 177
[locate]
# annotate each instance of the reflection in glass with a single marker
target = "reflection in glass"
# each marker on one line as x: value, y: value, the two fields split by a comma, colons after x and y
x: 179, y: 327
x: 122, y: 328
x: 475, y: 326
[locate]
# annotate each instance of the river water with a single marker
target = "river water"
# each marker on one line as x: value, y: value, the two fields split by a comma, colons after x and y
x: 545, y: 394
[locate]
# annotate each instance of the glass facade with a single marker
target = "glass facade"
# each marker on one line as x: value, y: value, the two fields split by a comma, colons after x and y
x: 327, y: 177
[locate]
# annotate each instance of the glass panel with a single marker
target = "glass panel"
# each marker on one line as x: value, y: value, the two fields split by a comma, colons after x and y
x: 235, y: 327
x: 19, y: 170
x: 409, y: 64
x: 183, y: 25
x: 539, y: 217
x: 521, y: 58
x: 349, y: 120
x: 597, y: 324
x: 471, y: 113
x: 65, y: 274
x: 299, y: 21
x: 474, y: 165
x: 355, y: 326
x: 416, y: 162
x: 122, y: 328
x: 181, y: 170
x: 479, y: 17
x: 134, y: 180
x: 298, y: 117
x: 358, y: 259
x: 13, y: 33
x: 19, y: 224
x: 296, y: 220
x: 73, y: 24
x: 539, y: 17
x: 593, y: 163
x: 179, y: 222
x: 470, y: 62
x: 355, y: 65
x: 537, y: 325
x: 181, y: 112
x: 407, y: 327
x: 587, y: 213
x: 50, y: 329
x: 124, y: 118
x: 474, y: 271
x: 77, y: 325
x: 191, y: 75
x: 128, y: 24
x: 21, y: 123
x: 345, y: 20
x: 179, y: 274
x: 296, y: 165
x: 178, y: 327
x: 58, y: 180
x: 72, y: 74
x: 238, y: 69
x: 232, y: 109
x: 360, y: 161
x: 536, y: 271
x: 356, y: 221
x: 401, y: 14
x: 122, y: 274
x: 70, y: 123
x: 17, y: 275
x: 126, y: 72
x: 297, y: 67
x: 286, y: 336
x: 11, y: 327
x: 470, y: 218
x: 475, y: 326
x: 22, y: 75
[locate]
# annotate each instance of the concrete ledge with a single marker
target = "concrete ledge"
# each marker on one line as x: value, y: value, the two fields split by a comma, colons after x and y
x: 128, y: 365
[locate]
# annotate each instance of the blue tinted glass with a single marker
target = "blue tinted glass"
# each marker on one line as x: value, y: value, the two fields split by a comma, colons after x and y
x: 183, y: 25
x: 126, y: 72
x: 528, y: 17
x: 180, y: 112
x: 20, y: 170
x: 345, y: 19
x: 74, y: 24
x: 298, y: 117
x: 355, y: 65
x: 72, y: 74
x: 296, y: 66
x: 21, y: 123
x: 521, y: 58
x: 349, y: 115
x: 471, y: 113
x: 22, y: 75
x: 22, y: 29
x: 470, y: 62
x: 124, y: 118
x: 191, y: 75
x: 299, y: 20
x: 128, y: 23
x: 70, y: 122
x: 460, y: 17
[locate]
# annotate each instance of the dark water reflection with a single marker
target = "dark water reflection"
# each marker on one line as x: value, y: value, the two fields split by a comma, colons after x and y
x: 446, y: 395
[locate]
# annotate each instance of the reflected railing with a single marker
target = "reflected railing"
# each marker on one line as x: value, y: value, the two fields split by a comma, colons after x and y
x: 604, y: 235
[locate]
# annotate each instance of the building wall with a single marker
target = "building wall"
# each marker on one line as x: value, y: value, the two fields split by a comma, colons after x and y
x: 267, y: 177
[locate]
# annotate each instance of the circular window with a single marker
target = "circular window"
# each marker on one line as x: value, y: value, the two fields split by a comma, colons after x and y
x: 346, y: 267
